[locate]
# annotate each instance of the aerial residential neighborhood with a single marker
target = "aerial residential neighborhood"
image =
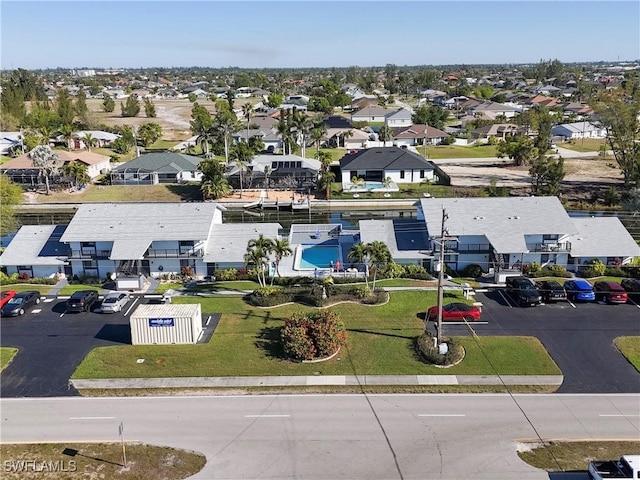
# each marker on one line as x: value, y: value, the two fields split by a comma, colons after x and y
x: 353, y: 241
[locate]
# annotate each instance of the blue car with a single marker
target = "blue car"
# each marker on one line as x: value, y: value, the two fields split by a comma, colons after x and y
x: 579, y: 290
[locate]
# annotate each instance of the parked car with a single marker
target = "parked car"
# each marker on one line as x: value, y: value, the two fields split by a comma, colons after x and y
x: 579, y: 289
x: 523, y: 291
x: 114, y: 302
x: 610, y: 292
x: 551, y: 291
x: 82, y: 301
x: 6, y: 296
x: 19, y: 303
x: 631, y: 286
x: 455, y: 312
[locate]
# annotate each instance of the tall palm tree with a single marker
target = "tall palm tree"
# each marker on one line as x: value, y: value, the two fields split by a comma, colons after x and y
x: 213, y: 184
x: 242, y: 156
x: 261, y: 242
x: 358, y: 254
x: 384, y: 134
x: 88, y: 140
x: 346, y: 134
x: 45, y: 135
x: 280, y: 249
x: 379, y: 257
x: 267, y: 174
x: 318, y: 132
x: 66, y: 131
x: 258, y: 258
x: 225, y: 123
x: 327, y: 177
x: 247, y: 112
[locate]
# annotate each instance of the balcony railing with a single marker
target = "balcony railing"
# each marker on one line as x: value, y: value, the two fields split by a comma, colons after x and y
x: 551, y: 247
x: 173, y: 253
x: 89, y: 253
x: 465, y: 248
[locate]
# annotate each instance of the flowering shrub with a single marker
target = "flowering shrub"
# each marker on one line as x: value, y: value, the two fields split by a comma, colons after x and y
x: 306, y: 336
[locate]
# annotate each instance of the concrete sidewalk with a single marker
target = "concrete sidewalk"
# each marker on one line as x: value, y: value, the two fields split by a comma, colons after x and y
x: 315, y: 380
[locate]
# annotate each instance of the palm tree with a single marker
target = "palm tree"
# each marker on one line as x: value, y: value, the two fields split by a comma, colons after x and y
x: 358, y: 254
x: 280, y: 249
x: 384, y: 134
x: 45, y: 136
x: 318, y: 131
x: 267, y: 174
x: 66, y: 131
x: 88, y: 140
x: 344, y: 136
x: 204, y: 140
x: 213, y: 184
x: 225, y: 123
x: 261, y: 242
x: 326, y: 175
x: 242, y: 155
x: 247, y: 111
x: 258, y: 258
x: 379, y: 257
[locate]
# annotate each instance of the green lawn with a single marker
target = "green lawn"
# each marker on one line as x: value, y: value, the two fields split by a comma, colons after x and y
x: 246, y: 342
x: 604, y: 279
x: 6, y: 355
x: 630, y: 348
x: 163, y: 287
x: 127, y: 193
x: 403, y: 282
x: 459, y: 151
x: 23, y: 287
x: 586, y: 145
x: 336, y: 153
x: 71, y: 289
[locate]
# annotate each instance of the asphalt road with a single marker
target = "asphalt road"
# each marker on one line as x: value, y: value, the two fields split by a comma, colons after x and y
x: 52, y: 343
x: 335, y: 436
x: 579, y: 337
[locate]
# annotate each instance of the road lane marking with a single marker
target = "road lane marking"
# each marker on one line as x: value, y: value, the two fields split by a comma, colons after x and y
x: 267, y: 416
x: 442, y: 415
x: 91, y: 418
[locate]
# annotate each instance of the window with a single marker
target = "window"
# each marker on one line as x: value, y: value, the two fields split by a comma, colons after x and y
x: 544, y: 257
x: 421, y: 173
x: 274, y: 165
x: 89, y: 264
x: 401, y: 174
x: 549, y: 237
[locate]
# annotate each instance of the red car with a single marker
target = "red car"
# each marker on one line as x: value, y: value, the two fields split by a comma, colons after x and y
x: 610, y: 292
x: 6, y: 296
x: 455, y: 312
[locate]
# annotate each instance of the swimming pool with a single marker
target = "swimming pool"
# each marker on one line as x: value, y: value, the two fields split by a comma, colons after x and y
x: 318, y: 256
x: 373, y: 185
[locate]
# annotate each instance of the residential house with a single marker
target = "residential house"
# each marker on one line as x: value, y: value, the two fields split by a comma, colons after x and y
x: 601, y: 238
x: 278, y: 171
x: 504, y: 233
x: 581, y: 110
x: 492, y: 110
x: 546, y: 90
x: 376, y: 165
x: 419, y: 135
x: 498, y: 130
x: 21, y: 169
x: 270, y: 137
x: 541, y: 101
x: 133, y: 239
x: 100, y: 139
x: 371, y: 113
x: 160, y: 167
x: 10, y: 142
x: 399, y: 119
x: 36, y: 251
x: 349, y: 138
x: 364, y: 101
x: 571, y: 131
x: 227, y: 243
x: 407, y: 240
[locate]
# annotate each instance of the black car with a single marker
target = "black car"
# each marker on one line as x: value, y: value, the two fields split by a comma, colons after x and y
x: 18, y: 304
x: 523, y: 291
x: 631, y: 286
x: 82, y: 301
x: 551, y: 291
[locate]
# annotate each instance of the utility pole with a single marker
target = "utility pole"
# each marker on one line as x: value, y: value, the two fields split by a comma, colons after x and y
x: 443, y: 234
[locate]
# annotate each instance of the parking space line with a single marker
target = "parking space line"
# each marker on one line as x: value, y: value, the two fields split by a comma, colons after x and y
x: 135, y: 300
x: 65, y: 297
x: 48, y: 300
x: 505, y: 298
x: 36, y: 310
x: 571, y: 303
x: 634, y: 303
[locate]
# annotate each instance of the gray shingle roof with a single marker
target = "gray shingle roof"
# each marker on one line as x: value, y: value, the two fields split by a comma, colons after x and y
x: 162, y: 162
x: 384, y: 231
x: 35, y: 245
x: 384, y: 158
x: 503, y: 220
x: 228, y: 242
x: 131, y: 226
x: 602, y: 237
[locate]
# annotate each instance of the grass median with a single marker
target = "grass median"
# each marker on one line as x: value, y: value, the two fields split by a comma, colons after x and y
x: 246, y: 342
x: 630, y: 348
x: 6, y: 355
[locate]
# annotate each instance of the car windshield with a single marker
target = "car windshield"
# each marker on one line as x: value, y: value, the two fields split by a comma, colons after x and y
x: 15, y: 301
x: 110, y: 300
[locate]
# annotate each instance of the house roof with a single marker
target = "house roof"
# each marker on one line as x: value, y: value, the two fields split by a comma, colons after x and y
x: 602, y: 237
x: 260, y: 161
x: 36, y: 245
x: 228, y: 242
x: 372, y: 111
x: 403, y: 113
x: 86, y: 157
x: 577, y: 127
x: 162, y: 162
x: 504, y: 221
x: 133, y: 226
x: 97, y: 135
x: 420, y: 131
x: 493, y: 107
x: 356, y: 134
x: 384, y: 158
x: 405, y: 239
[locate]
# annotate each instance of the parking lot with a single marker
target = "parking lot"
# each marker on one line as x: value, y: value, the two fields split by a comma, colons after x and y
x: 579, y: 337
x: 52, y: 342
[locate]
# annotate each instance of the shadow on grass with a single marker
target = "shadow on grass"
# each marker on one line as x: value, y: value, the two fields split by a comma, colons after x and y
x: 72, y: 452
x: 382, y: 334
x: 186, y: 192
x: 269, y: 341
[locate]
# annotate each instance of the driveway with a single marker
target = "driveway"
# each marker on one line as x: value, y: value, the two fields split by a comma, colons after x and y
x: 579, y: 337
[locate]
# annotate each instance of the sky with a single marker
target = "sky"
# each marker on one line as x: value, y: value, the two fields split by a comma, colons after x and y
x: 270, y: 34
